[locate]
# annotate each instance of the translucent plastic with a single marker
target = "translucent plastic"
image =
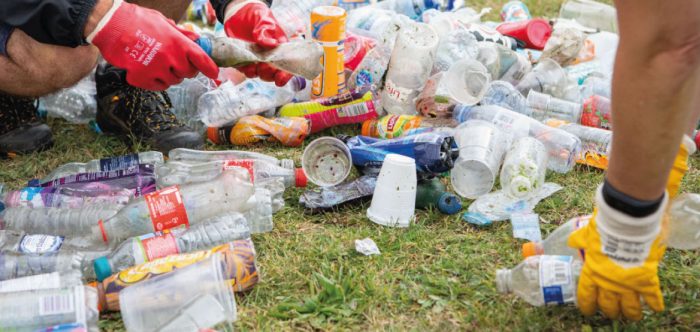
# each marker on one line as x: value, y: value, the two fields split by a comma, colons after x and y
x: 456, y: 45
x: 42, y: 281
x: 199, y: 156
x: 502, y: 62
x: 76, y: 104
x: 105, y: 164
x: 295, y: 15
x: 524, y: 280
x: 524, y: 168
x: 185, y: 97
x: 175, y: 172
x: 546, y: 77
x: 212, y: 232
x: 504, y: 94
x: 73, y: 198
x: 544, y: 106
x: 594, y: 141
x: 684, y: 225
x: 591, y: 14
x: 35, y: 309
x: 226, y: 193
x: 411, y: 8
x: 465, y: 81
x: 556, y: 242
x: 57, y: 221
x: 596, y: 85
x: 260, y: 210
x: 562, y: 147
x: 229, y: 102
x: 384, y: 23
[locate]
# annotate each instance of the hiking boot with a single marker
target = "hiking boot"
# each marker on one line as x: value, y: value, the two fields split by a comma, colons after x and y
x: 21, y: 131
x: 132, y: 113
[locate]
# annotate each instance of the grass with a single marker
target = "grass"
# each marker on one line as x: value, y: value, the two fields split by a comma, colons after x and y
x: 436, y: 275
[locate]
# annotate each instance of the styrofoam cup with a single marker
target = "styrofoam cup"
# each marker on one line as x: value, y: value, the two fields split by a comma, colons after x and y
x: 394, y: 199
x: 326, y: 161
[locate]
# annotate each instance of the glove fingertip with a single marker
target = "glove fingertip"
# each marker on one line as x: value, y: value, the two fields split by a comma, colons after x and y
x: 655, y: 301
x: 587, y: 296
x: 204, y: 64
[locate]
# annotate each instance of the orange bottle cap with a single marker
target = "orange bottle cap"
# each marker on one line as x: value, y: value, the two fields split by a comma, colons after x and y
x: 213, y: 135
x: 368, y: 127
x: 532, y: 249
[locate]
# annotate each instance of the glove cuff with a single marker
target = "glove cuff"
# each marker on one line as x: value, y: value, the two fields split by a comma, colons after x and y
x: 689, y: 144
x: 233, y: 10
x: 621, y: 225
x: 105, y: 19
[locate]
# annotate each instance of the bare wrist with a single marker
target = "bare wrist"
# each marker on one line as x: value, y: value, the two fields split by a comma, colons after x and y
x: 101, y: 8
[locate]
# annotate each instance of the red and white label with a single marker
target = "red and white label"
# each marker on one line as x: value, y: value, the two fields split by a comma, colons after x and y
x: 248, y: 164
x: 167, y: 209
x: 159, y: 246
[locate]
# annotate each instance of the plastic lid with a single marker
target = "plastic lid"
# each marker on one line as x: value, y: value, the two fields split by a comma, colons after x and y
x: 102, y: 268
x: 205, y: 44
x: 368, y: 127
x: 532, y: 249
x: 538, y: 32
x: 300, y: 178
x: 449, y: 203
x: 213, y: 135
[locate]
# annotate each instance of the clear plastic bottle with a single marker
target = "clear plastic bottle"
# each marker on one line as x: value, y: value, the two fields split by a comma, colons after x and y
x: 76, y: 104
x: 216, y: 231
x: 175, y: 206
x: 173, y: 173
x: 542, y: 280
x: 58, y: 197
x: 295, y: 15
x: 105, y: 164
x: 185, y: 97
x: 411, y: 8
x: 544, y: 106
x: 684, y: 225
x: 562, y: 147
x: 504, y: 94
x: 524, y: 168
x: 42, y: 281
x: 197, y: 156
x: 596, y: 143
x: 231, y: 102
x: 17, y: 265
x: 36, y: 310
x: 556, y: 242
x: 56, y: 221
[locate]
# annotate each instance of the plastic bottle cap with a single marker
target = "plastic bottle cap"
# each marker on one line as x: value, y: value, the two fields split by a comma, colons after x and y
x: 538, y: 32
x: 300, y: 178
x: 205, y: 44
x: 367, y: 127
x: 102, y: 268
x: 449, y: 203
x: 532, y: 249
x: 213, y: 135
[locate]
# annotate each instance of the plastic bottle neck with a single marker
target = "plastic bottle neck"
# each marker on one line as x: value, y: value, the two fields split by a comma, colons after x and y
x: 504, y: 281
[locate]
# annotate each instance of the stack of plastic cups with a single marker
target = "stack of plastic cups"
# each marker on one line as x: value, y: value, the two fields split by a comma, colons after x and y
x: 410, y: 66
x: 481, y: 149
x: 547, y: 77
x: 189, y: 299
x: 326, y: 161
x: 544, y: 106
x: 524, y: 168
x: 394, y: 199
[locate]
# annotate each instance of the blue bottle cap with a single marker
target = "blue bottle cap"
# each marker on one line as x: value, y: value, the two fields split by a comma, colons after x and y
x: 430, y: 4
x: 205, y: 44
x: 449, y: 203
x: 461, y: 112
x: 102, y: 268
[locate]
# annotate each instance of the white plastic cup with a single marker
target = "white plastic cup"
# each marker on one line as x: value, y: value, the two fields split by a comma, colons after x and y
x: 481, y: 149
x: 326, y: 161
x: 466, y: 81
x: 394, y: 199
x: 188, y: 299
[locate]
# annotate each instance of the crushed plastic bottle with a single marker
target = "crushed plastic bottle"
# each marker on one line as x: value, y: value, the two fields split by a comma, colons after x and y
x: 140, y: 179
x: 298, y: 56
x: 106, y: 164
x: 542, y: 280
x: 176, y: 206
x: 524, y: 168
x: 504, y: 94
x: 288, y: 131
x: 556, y: 242
x: 197, y: 156
x: 174, y: 173
x: 185, y: 96
x: 230, y: 102
x: 294, y: 15
x: 56, y: 221
x: 328, y: 198
x: 76, y: 104
x: 38, y: 197
x: 562, y: 147
x: 394, y: 126
x: 346, y: 108
x: 145, y: 248
x: 596, y: 143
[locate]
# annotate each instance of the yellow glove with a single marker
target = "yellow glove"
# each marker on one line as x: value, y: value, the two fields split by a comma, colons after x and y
x: 680, y: 166
x: 622, y: 255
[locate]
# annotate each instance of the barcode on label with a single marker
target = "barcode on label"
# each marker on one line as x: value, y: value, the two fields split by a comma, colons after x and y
x: 353, y: 110
x: 56, y: 304
x: 560, y: 274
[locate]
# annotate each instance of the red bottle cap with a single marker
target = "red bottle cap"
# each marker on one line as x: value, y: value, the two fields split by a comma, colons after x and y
x: 534, y: 33
x: 300, y: 178
x: 213, y: 135
x: 697, y: 139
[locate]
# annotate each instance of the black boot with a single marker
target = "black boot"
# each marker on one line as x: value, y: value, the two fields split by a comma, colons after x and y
x: 21, y: 131
x: 147, y: 116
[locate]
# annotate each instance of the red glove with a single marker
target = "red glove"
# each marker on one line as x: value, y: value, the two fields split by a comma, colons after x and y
x: 253, y: 22
x: 154, y: 52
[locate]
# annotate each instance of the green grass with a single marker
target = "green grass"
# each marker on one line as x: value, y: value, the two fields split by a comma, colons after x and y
x: 436, y: 275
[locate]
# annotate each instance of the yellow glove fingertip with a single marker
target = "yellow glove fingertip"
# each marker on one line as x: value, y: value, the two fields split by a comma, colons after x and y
x: 609, y: 303
x: 631, y: 306
x: 587, y: 296
x: 655, y: 301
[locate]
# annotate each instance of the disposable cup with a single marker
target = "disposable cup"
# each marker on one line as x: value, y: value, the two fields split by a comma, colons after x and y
x: 544, y: 106
x: 547, y: 76
x: 466, y: 81
x: 326, y: 161
x: 394, y: 199
x: 481, y: 149
x: 189, y: 299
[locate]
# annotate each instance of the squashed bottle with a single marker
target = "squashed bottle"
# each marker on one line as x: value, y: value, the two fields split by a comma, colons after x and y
x: 254, y: 128
x: 173, y: 173
x: 542, y: 280
x: 197, y: 156
x: 105, y: 164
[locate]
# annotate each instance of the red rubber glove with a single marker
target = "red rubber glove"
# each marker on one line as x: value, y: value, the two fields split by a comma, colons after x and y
x: 154, y: 52
x: 253, y: 22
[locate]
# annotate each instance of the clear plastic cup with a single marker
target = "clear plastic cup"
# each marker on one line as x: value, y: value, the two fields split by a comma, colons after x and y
x: 481, y: 149
x: 326, y: 161
x: 394, y: 199
x: 547, y: 77
x: 188, y: 299
x: 544, y: 106
x: 466, y: 81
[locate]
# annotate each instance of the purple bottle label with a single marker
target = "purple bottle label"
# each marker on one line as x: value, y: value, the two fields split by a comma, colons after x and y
x: 118, y: 163
x: 139, y: 178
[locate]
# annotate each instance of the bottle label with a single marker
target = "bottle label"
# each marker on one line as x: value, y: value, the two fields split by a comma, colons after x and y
x: 358, y: 109
x: 526, y: 226
x: 32, y: 197
x: 166, y: 208
x: 248, y: 164
x: 157, y: 245
x: 117, y: 163
x: 40, y: 244
x: 596, y: 113
x: 556, y: 279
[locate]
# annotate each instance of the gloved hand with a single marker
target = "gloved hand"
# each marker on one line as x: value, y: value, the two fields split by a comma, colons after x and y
x: 621, y: 259
x: 680, y: 166
x: 253, y: 22
x: 154, y: 52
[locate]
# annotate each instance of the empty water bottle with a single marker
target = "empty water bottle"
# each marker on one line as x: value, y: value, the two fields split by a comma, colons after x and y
x: 544, y: 106
x: 524, y: 168
x: 259, y: 210
x: 173, y: 173
x: 38, y: 310
x: 556, y: 242
x: 139, y: 179
x: 562, y: 147
x: 56, y: 221
x: 295, y: 15
x: 231, y: 102
x: 504, y: 94
x: 22, y: 263
x: 542, y: 280
x: 197, y: 156
x: 138, y: 250
x: 411, y: 8
x: 76, y: 104
x: 175, y: 206
x: 38, y: 197
x: 596, y: 143
x: 185, y: 97
x: 106, y: 164
x: 42, y: 281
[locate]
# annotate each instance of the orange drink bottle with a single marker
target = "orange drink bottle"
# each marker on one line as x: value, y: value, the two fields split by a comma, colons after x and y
x: 328, y: 29
x: 254, y: 128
